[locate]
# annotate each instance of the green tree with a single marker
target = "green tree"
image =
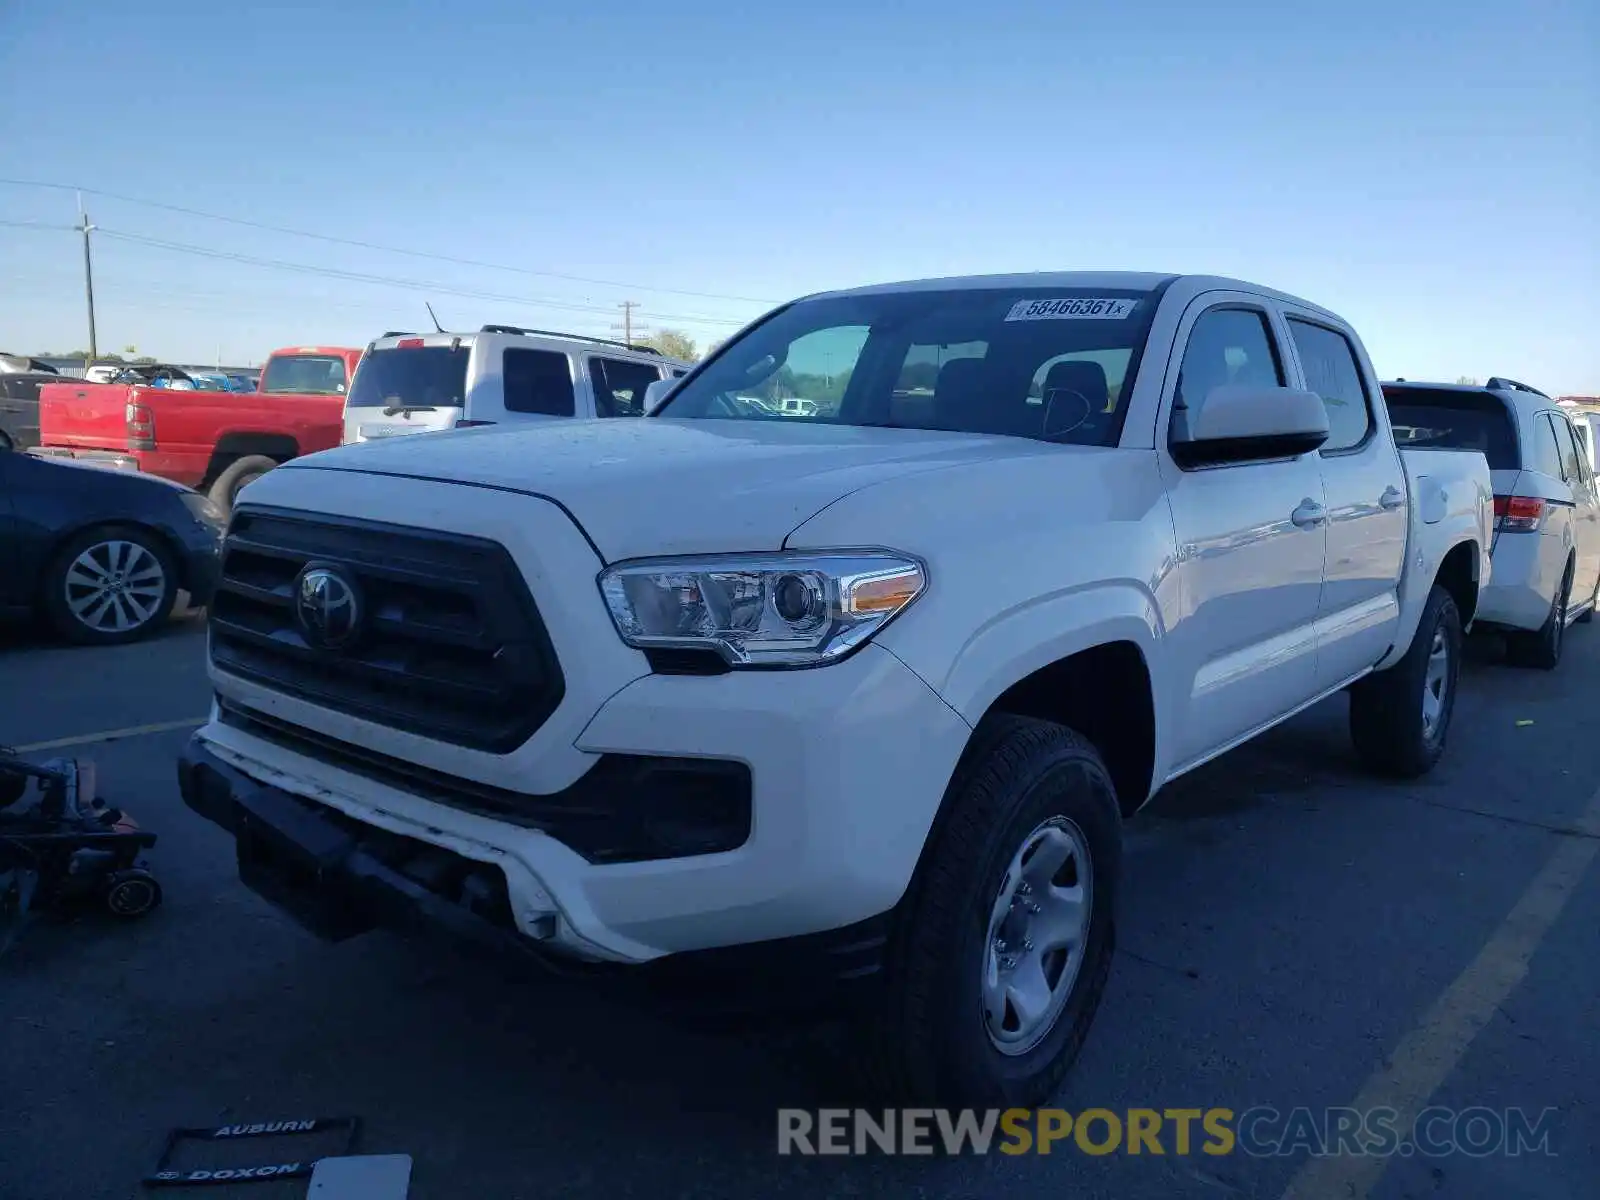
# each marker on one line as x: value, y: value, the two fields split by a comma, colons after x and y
x: 673, y: 344
x: 1468, y: 380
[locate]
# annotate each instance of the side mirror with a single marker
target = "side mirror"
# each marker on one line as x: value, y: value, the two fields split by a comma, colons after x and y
x: 1247, y: 423
x: 655, y: 395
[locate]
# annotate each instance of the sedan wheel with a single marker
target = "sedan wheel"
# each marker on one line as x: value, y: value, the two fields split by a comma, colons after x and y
x: 110, y: 586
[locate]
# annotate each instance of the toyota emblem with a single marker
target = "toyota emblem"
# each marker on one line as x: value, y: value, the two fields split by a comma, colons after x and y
x: 327, y: 606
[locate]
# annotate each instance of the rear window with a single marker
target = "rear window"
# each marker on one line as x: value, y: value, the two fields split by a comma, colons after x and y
x: 424, y: 376
x: 1425, y: 419
x: 305, y: 374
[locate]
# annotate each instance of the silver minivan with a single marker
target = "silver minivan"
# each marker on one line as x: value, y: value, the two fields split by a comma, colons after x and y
x: 427, y: 382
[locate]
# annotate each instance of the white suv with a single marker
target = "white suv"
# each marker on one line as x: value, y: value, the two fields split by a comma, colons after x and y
x: 1547, y: 509
x: 424, y: 383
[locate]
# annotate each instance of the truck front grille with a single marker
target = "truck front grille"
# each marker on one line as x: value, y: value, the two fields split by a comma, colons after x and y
x: 447, y: 642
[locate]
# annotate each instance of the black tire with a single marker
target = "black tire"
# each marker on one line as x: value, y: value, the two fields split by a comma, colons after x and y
x: 57, y: 601
x: 1541, y: 650
x: 225, y: 489
x: 1389, y: 714
x: 930, y: 1039
x: 131, y: 894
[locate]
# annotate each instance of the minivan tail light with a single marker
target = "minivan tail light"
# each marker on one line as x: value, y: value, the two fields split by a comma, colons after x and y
x: 141, y: 425
x: 409, y: 344
x: 1518, y: 514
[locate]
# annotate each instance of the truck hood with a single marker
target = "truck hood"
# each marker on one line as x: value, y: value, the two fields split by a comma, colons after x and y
x: 660, y: 486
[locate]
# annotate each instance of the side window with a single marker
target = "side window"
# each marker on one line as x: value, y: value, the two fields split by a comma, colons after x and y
x: 1544, y: 455
x: 1329, y: 363
x: 1227, y: 346
x: 619, y: 386
x: 1571, y: 456
x: 538, y: 381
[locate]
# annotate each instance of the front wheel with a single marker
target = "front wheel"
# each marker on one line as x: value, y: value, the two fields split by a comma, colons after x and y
x: 110, y: 585
x: 1400, y: 717
x: 1002, y: 952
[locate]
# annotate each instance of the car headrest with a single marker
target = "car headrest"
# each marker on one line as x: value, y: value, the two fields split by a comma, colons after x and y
x: 961, y: 398
x: 1085, y: 377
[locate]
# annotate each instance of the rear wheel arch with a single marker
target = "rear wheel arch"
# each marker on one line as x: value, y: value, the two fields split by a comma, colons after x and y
x: 231, y: 447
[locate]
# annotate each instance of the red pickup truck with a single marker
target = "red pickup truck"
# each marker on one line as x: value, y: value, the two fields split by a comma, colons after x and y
x: 215, y: 442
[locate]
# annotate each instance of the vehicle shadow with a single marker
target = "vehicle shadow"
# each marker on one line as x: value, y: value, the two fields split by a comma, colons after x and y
x: 33, y: 635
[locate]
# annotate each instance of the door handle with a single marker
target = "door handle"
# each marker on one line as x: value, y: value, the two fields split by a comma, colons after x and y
x: 1309, y: 515
x: 1392, y: 498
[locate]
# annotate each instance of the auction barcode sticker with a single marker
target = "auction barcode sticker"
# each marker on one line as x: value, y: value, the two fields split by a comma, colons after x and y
x: 1071, y: 310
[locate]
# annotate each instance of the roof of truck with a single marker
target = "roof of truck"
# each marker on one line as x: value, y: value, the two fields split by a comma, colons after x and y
x: 1143, y: 281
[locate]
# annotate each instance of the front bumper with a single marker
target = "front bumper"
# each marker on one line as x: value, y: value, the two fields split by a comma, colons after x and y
x: 201, y: 568
x: 848, y: 765
x: 338, y: 878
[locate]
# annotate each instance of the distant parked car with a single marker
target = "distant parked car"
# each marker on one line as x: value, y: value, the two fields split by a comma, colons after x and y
x: 21, y: 364
x: 1546, y: 555
x: 101, y: 554
x: 215, y: 441
x: 500, y: 375
x: 19, y: 409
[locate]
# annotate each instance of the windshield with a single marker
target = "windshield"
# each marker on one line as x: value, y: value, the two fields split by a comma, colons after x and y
x: 1047, y: 363
x: 422, y: 377
x: 305, y: 375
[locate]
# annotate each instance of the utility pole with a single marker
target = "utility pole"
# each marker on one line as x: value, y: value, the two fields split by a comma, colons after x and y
x: 627, y: 307
x: 88, y: 279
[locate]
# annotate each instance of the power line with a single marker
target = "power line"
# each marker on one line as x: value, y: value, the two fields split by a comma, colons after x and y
x: 416, y: 285
x: 50, y: 225
x: 363, y: 245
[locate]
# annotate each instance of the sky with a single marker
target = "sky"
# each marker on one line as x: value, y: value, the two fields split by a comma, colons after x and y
x: 1429, y: 169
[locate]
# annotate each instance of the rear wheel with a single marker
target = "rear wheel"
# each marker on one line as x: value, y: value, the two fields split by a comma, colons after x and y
x: 1400, y: 717
x: 1541, y: 650
x: 110, y: 585
x: 1005, y: 944
x: 246, y: 470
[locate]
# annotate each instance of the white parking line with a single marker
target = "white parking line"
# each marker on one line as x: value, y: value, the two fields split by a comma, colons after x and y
x: 1431, y: 1051
x: 111, y: 735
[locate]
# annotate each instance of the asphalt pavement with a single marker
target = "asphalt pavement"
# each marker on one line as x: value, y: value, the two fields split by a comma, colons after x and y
x: 1294, y: 935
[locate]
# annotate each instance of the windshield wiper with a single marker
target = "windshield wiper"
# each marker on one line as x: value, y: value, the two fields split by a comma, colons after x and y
x: 394, y: 410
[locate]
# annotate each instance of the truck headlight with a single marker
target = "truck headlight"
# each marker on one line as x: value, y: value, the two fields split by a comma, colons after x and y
x: 777, y: 610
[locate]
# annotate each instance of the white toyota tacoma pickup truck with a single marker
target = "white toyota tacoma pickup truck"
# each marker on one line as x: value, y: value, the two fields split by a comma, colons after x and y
x: 859, y: 697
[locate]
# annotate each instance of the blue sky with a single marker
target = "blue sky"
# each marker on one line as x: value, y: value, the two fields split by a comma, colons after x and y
x: 1428, y: 169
